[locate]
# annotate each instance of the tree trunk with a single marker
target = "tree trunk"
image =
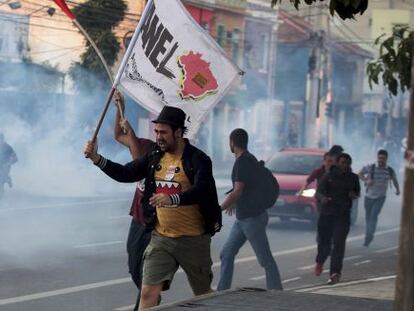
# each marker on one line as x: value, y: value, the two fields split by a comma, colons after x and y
x: 404, y: 299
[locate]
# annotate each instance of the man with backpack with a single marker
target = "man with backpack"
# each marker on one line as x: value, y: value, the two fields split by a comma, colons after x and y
x: 249, y: 203
x: 377, y: 178
x: 180, y: 206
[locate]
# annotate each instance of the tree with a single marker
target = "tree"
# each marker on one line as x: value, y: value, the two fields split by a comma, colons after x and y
x: 98, y: 17
x: 344, y: 8
x: 394, y: 61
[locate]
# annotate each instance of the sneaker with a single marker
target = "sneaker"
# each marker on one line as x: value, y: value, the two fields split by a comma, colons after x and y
x: 334, y: 278
x: 318, y: 269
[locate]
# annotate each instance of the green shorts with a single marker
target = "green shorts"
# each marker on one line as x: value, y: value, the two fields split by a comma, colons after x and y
x: 164, y: 255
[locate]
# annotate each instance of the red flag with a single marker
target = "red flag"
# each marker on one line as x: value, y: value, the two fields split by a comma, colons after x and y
x: 65, y: 9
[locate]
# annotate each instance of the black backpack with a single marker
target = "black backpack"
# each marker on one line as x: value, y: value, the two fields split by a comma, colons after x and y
x: 267, y: 187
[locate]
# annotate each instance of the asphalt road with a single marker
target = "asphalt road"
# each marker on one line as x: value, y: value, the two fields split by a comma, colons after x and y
x: 68, y: 254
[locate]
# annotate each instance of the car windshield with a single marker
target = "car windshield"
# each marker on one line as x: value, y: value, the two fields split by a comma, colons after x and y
x: 294, y: 164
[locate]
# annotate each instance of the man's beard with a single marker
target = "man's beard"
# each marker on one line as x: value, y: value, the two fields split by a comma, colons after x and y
x: 165, y: 147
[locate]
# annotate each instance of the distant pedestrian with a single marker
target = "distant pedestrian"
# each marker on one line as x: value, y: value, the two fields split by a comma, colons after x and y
x: 336, y: 191
x: 377, y: 177
x: 335, y: 151
x: 7, y: 158
x: 318, y: 173
x: 251, y: 218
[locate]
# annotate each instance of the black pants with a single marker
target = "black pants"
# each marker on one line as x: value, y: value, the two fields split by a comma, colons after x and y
x: 332, y: 230
x: 137, y: 242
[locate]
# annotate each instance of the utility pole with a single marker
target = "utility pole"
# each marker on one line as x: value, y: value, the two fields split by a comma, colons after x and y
x: 404, y: 298
x: 313, y: 90
x: 314, y: 83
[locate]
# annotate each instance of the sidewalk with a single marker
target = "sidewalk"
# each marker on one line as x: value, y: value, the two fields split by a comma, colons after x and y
x: 374, y: 288
x: 361, y: 295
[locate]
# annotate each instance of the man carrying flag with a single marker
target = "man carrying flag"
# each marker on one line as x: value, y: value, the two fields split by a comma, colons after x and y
x: 180, y: 203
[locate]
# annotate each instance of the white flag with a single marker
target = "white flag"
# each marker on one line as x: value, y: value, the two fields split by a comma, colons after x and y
x: 172, y: 61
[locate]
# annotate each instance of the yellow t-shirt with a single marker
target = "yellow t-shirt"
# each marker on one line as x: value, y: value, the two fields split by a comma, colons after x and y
x: 179, y: 221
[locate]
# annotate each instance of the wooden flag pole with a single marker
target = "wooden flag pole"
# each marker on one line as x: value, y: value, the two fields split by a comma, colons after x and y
x: 108, y: 102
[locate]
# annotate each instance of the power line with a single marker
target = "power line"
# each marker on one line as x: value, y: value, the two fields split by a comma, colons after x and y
x: 56, y: 50
x: 65, y: 19
x: 61, y: 55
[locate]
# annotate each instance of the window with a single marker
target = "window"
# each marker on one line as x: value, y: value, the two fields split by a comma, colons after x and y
x: 220, y: 35
x: 264, y: 45
x: 235, y: 45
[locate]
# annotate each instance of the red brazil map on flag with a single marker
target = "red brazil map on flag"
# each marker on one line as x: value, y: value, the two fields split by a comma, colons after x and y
x: 197, y: 79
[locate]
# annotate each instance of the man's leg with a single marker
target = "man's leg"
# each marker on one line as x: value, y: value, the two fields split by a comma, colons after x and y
x: 340, y: 232
x: 159, y: 269
x: 254, y: 229
x: 150, y: 295
x: 325, y: 231
x: 376, y: 209
x: 193, y: 255
x: 137, y: 242
x: 234, y: 242
x: 368, y: 204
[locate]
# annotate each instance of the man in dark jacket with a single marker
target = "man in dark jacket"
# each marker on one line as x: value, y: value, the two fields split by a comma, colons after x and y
x: 336, y: 191
x: 180, y: 203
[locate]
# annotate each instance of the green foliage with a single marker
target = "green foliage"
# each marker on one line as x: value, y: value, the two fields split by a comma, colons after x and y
x: 344, y: 8
x: 394, y: 62
x: 98, y: 17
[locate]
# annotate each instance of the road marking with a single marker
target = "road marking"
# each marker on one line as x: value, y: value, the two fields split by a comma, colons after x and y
x: 98, y: 244
x: 343, y: 284
x: 257, y: 278
x: 292, y: 280
x: 60, y: 205
x: 128, y: 280
x: 387, y: 249
x: 63, y: 291
x: 125, y: 308
x: 307, y: 267
x: 283, y: 282
x: 352, y: 257
x: 362, y: 262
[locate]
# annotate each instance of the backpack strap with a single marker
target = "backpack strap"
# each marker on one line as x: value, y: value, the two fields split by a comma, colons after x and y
x: 372, y: 171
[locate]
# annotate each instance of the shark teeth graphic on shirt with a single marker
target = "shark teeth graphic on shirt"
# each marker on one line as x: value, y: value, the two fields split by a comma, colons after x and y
x: 167, y: 184
x: 168, y: 187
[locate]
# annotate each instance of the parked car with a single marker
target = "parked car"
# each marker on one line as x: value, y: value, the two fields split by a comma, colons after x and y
x: 291, y: 167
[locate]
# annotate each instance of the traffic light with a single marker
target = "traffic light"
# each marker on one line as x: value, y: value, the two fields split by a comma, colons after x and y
x: 329, y: 110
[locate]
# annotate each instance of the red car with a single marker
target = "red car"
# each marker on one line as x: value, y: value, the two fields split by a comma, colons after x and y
x: 291, y: 167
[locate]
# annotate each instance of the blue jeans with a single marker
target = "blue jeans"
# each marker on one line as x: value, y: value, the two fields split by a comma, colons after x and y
x: 252, y: 229
x: 372, y: 209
